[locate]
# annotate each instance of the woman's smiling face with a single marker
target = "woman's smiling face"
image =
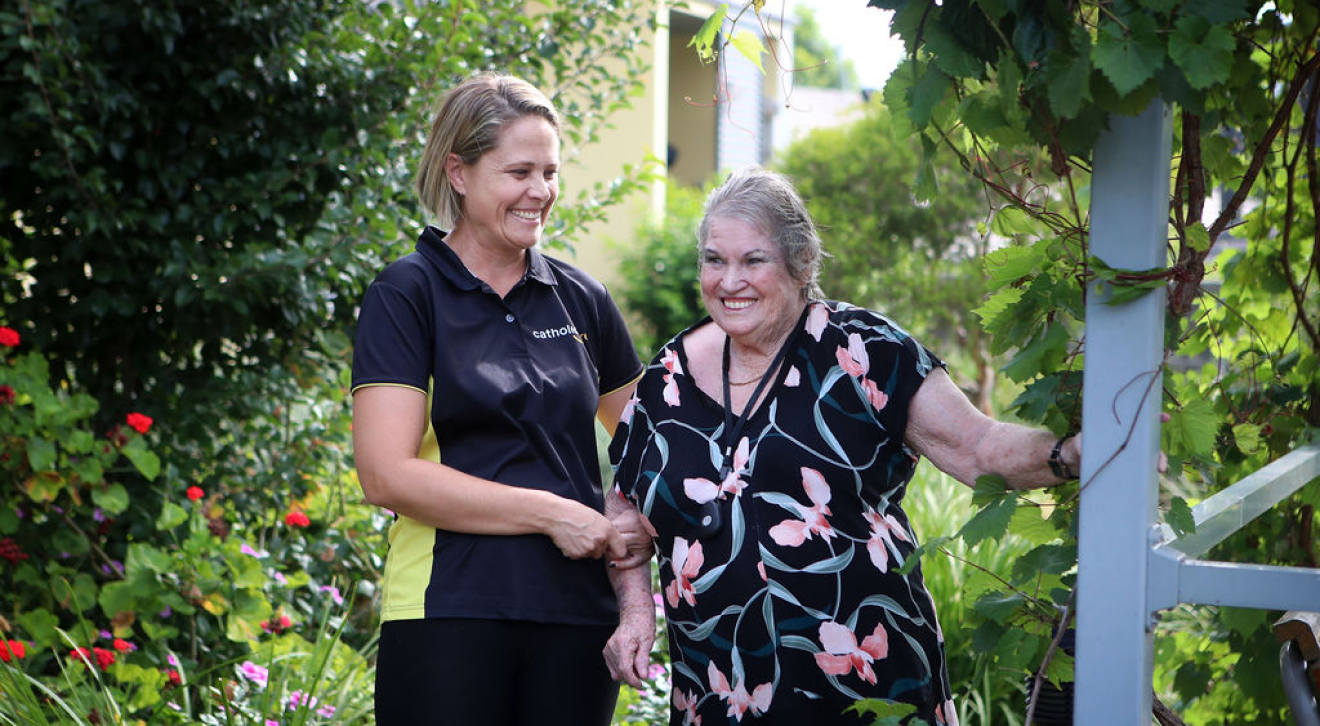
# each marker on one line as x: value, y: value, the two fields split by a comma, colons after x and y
x: 745, y: 284
x: 509, y: 192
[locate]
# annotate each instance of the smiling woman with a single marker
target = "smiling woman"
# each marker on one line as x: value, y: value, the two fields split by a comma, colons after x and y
x: 481, y: 352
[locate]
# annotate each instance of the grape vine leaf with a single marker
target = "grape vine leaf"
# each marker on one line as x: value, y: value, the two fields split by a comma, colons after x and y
x: 1129, y: 59
x: 704, y: 40
x: 750, y: 46
x: 1191, y: 429
x: 1068, y: 78
x: 1203, y: 51
x: 1179, y: 517
x: 989, y: 523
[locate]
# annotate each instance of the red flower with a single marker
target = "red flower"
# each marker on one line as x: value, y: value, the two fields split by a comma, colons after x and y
x: 282, y: 624
x: 7, y: 395
x: 14, y: 647
x: 104, y: 658
x: 10, y: 550
x: 174, y: 678
x: 195, y: 493
x: 139, y: 423
x: 296, y: 519
x: 123, y: 646
x: 8, y: 337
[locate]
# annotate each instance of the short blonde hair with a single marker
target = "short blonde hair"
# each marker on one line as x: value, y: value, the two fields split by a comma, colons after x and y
x: 468, y: 124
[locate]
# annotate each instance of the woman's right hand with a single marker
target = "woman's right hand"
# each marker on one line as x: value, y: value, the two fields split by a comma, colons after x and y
x: 581, y: 532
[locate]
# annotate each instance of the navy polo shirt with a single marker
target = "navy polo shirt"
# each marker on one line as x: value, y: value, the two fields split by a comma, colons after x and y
x: 513, y: 386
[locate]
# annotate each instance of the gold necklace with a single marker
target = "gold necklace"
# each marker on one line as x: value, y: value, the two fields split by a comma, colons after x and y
x: 748, y: 381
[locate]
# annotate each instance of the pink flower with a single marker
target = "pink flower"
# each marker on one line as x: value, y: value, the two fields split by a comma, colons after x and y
x: 297, y: 519
x: 883, y: 529
x: 877, y: 397
x: 194, y: 493
x: 686, y: 563
x: 139, y: 422
x: 9, y: 337
x: 854, y: 359
x: 255, y: 673
x: 675, y: 368
x: 625, y: 416
x: 687, y: 703
x: 737, y: 697
x: 793, y: 378
x: 334, y: 593
x: 816, y: 320
x: 841, y: 654
x: 793, y: 532
x: 702, y: 490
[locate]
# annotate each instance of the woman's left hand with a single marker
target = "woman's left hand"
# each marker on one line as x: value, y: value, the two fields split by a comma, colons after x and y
x: 628, y: 651
x: 637, y: 534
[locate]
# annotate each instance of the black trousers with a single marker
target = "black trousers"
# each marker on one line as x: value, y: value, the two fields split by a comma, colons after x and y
x: 471, y: 672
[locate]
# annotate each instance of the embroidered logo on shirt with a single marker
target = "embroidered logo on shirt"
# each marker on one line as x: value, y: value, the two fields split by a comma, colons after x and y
x: 569, y: 330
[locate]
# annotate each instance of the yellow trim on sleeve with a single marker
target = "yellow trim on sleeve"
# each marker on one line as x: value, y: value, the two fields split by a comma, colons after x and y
x: 629, y: 383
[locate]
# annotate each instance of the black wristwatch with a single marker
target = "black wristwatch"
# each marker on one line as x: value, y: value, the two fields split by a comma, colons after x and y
x: 1057, y: 464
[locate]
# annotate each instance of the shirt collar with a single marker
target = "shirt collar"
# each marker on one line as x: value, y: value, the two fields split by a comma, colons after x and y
x: 432, y: 246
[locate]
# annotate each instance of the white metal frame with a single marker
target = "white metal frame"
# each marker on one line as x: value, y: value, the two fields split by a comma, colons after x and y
x: 1129, y: 566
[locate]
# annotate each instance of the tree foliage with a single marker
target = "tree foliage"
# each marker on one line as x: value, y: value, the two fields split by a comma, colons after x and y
x: 195, y: 195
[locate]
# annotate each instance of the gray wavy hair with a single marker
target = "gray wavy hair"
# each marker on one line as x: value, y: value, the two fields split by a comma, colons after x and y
x: 769, y: 201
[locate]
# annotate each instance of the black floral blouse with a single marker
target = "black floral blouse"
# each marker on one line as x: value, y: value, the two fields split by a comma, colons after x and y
x: 779, y: 579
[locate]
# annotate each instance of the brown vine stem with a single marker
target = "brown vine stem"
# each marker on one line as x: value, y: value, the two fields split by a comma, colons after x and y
x: 1298, y: 291
x: 1262, y: 150
x: 1037, y: 680
x: 1155, y: 378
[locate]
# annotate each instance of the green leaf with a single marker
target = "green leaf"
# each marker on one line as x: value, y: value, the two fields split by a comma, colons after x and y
x: 898, y: 98
x: 117, y: 597
x: 1129, y: 59
x: 144, y: 460
x: 1009, y: 264
x: 41, y: 454
x: 113, y: 499
x: 750, y: 46
x: 1028, y: 524
x: 997, y: 605
x: 1203, y: 51
x: 949, y: 54
x: 1180, y: 517
x: 1045, y: 352
x: 989, y: 523
x: 171, y: 516
x: 704, y: 40
x: 1061, y: 669
x: 926, y: 94
x: 1219, y: 11
x: 1190, y: 430
x: 1068, y: 79
x: 1198, y: 236
x: 988, y: 488
x: 885, y: 713
x: 1247, y: 438
x: 912, y: 560
x: 1051, y: 559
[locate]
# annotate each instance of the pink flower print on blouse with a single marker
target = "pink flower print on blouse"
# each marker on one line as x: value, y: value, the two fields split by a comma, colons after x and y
x: 883, y: 529
x: 738, y: 698
x: 687, y: 703
x: 841, y: 653
x: 675, y: 368
x: 946, y: 714
x: 702, y: 490
x: 816, y: 320
x: 625, y: 416
x: 855, y: 362
x: 793, y: 532
x: 686, y: 563
x: 793, y: 379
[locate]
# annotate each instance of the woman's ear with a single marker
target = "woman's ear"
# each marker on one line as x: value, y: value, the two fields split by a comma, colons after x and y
x: 454, y: 169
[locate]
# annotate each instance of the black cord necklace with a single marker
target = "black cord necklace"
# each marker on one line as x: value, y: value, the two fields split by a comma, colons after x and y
x: 733, y: 428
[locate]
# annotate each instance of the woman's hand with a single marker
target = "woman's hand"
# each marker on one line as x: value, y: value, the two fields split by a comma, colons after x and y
x: 581, y: 532
x: 628, y: 651
x: 637, y: 535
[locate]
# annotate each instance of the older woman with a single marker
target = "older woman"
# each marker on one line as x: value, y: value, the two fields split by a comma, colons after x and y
x: 479, y: 367
x: 770, y: 446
